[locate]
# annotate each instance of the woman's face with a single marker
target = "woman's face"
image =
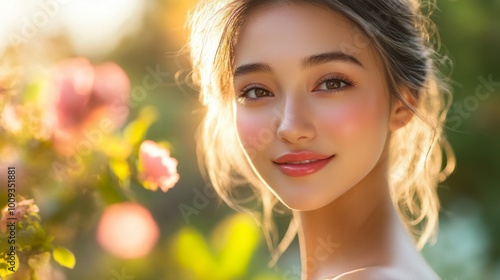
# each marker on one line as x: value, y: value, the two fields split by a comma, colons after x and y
x: 311, y: 104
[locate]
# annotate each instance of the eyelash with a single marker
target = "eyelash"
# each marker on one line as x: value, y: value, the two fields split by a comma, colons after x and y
x: 335, y: 77
x: 242, y: 96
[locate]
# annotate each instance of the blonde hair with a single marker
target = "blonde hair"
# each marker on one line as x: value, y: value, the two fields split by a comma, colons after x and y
x: 400, y: 34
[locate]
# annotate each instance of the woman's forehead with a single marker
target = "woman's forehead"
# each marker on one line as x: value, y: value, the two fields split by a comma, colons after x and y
x: 295, y: 31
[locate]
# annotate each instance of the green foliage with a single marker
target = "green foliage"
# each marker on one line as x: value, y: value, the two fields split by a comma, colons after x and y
x: 64, y: 257
x: 32, y: 245
x: 135, y: 131
x: 71, y: 190
x: 7, y: 268
x: 108, y: 158
x: 227, y: 256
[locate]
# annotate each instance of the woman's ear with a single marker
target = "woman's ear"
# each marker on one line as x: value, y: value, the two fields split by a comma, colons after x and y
x: 402, y: 109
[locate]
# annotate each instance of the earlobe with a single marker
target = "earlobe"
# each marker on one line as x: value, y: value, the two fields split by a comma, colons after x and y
x: 402, y: 109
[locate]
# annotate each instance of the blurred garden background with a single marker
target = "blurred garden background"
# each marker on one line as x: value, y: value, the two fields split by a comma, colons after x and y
x: 93, y: 94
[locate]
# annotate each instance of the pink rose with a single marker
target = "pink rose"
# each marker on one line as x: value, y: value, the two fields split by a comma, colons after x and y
x: 111, y: 90
x: 127, y: 230
x: 84, y: 97
x: 73, y: 80
x: 157, y: 168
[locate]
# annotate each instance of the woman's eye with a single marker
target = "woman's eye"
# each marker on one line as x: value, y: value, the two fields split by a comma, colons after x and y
x: 257, y: 92
x: 253, y: 94
x: 331, y: 84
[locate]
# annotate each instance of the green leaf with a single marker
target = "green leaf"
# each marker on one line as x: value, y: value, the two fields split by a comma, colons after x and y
x: 136, y: 130
x: 236, y: 239
x: 234, y: 242
x: 35, y: 215
x: 8, y: 266
x: 121, y: 169
x: 268, y: 276
x: 109, y: 191
x: 149, y: 185
x: 34, y: 90
x: 116, y: 148
x: 64, y: 257
x: 193, y: 254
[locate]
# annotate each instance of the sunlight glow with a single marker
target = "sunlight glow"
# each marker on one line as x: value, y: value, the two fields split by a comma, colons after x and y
x: 127, y: 231
x: 93, y: 27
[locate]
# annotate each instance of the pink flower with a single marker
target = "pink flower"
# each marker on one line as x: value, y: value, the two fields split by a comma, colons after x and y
x: 127, y: 230
x: 111, y: 90
x: 22, y: 208
x: 73, y: 81
x: 156, y: 167
x: 84, y: 97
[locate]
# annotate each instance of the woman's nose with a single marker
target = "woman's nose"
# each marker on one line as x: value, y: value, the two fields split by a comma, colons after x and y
x: 295, y: 124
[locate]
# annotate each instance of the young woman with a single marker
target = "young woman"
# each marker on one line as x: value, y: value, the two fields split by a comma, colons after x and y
x: 332, y: 108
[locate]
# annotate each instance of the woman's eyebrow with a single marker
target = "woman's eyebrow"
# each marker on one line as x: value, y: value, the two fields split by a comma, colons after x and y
x: 307, y: 62
x: 329, y: 57
x: 252, y: 68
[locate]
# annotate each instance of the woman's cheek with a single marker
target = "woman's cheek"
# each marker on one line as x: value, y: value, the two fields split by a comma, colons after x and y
x: 253, y: 131
x: 351, y: 121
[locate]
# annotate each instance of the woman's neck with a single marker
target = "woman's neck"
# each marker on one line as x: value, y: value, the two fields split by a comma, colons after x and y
x: 359, y: 229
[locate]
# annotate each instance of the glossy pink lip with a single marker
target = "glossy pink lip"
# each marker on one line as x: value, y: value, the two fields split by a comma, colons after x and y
x: 302, y: 169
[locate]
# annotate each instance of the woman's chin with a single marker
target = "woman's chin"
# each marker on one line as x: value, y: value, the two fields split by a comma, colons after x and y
x: 302, y: 203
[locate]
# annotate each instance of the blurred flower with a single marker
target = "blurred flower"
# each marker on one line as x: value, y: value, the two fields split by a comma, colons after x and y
x: 73, y: 80
x: 10, y: 118
x: 84, y: 98
x: 156, y: 167
x: 111, y: 83
x: 22, y: 208
x: 127, y: 230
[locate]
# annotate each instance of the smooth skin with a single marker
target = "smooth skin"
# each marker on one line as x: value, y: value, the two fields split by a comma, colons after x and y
x: 312, y: 71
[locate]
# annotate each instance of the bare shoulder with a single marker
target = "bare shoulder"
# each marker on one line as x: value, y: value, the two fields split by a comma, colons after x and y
x: 381, y: 273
